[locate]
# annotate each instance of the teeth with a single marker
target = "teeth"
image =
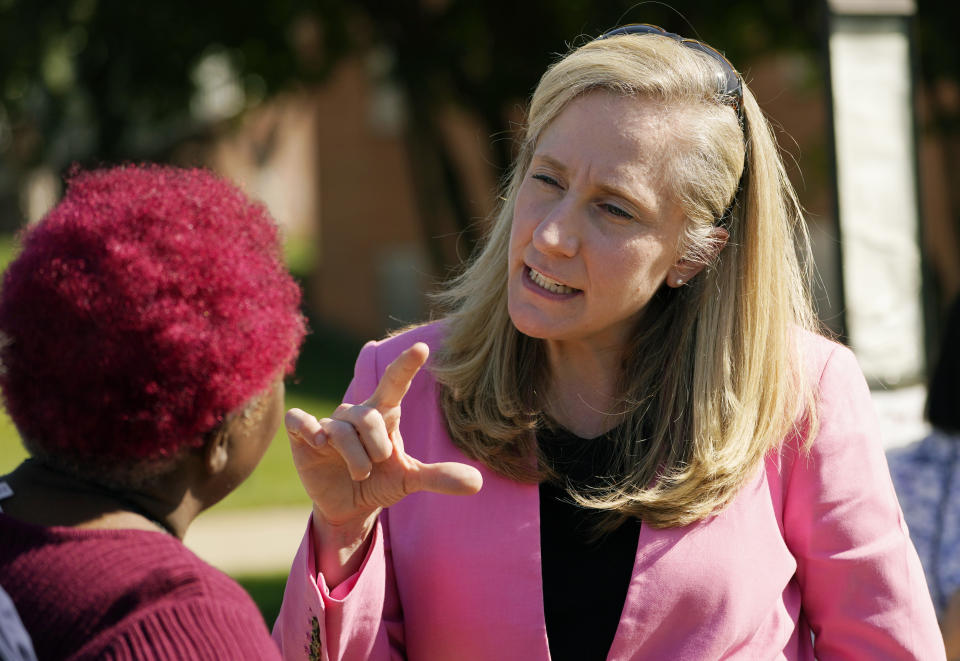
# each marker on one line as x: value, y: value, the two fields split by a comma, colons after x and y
x: 550, y: 285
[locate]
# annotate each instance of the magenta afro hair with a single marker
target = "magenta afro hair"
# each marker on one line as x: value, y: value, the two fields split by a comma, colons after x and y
x: 146, y: 305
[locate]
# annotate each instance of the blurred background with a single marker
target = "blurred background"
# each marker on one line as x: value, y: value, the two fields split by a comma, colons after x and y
x: 377, y: 132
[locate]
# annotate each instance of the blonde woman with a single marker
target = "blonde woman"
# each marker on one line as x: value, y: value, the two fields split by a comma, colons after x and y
x: 674, y: 464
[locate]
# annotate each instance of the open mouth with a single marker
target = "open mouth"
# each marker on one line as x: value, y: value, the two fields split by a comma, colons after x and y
x: 549, y: 284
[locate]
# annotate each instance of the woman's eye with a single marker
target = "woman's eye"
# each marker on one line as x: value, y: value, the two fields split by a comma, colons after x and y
x: 616, y: 211
x: 547, y: 179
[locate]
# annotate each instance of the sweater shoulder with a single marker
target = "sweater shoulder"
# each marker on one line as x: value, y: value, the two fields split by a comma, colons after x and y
x: 73, y: 585
x: 202, y: 627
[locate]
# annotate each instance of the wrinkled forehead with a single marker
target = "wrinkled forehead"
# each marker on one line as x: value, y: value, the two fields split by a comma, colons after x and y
x: 638, y: 135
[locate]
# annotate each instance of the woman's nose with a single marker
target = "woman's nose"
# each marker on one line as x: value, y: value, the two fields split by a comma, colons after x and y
x: 557, y: 233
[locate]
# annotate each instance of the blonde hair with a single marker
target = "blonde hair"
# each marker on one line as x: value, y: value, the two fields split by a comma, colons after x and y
x: 712, y: 378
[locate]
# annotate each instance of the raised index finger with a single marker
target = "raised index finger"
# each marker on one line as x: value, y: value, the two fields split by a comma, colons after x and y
x: 397, y: 378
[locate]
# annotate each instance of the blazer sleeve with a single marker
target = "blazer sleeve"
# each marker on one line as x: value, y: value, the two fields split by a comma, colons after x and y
x: 862, y: 585
x: 360, y: 618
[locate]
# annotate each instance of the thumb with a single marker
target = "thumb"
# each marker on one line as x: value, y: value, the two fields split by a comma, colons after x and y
x: 449, y: 478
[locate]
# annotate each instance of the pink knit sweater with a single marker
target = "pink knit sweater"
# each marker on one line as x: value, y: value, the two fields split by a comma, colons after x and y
x: 125, y: 594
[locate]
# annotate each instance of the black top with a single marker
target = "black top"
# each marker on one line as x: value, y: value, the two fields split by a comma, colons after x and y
x: 585, y: 580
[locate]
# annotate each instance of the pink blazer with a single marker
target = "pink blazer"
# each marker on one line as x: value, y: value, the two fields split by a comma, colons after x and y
x: 811, y: 559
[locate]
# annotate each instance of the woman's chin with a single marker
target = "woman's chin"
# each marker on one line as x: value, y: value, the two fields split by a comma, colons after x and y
x: 535, y: 328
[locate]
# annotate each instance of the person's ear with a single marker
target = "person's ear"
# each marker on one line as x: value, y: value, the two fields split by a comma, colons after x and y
x: 684, y: 270
x: 216, y: 450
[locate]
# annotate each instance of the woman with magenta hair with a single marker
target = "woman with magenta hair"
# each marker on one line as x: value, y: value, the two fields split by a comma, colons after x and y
x: 147, y: 325
x: 675, y: 464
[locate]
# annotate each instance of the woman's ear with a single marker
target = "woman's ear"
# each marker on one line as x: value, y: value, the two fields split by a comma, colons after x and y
x: 685, y: 269
x: 216, y: 450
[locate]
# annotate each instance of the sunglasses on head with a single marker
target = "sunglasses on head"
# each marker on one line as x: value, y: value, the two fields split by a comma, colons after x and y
x: 729, y: 85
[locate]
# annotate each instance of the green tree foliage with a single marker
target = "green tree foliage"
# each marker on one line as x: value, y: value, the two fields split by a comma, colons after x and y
x: 92, y: 76
x: 105, y: 80
x: 89, y: 79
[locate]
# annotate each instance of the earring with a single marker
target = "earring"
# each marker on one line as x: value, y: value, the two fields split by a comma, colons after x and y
x: 679, y: 281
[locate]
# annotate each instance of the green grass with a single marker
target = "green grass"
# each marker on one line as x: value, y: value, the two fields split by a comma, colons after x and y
x: 267, y: 591
x: 299, y: 254
x: 11, y: 450
x: 8, y: 248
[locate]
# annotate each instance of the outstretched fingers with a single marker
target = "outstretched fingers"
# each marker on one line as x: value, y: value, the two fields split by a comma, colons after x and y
x: 396, y: 379
x: 343, y: 437
x: 357, y: 434
x: 365, y: 435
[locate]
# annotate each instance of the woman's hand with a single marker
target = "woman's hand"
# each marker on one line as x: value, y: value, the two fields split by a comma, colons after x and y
x: 353, y: 464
